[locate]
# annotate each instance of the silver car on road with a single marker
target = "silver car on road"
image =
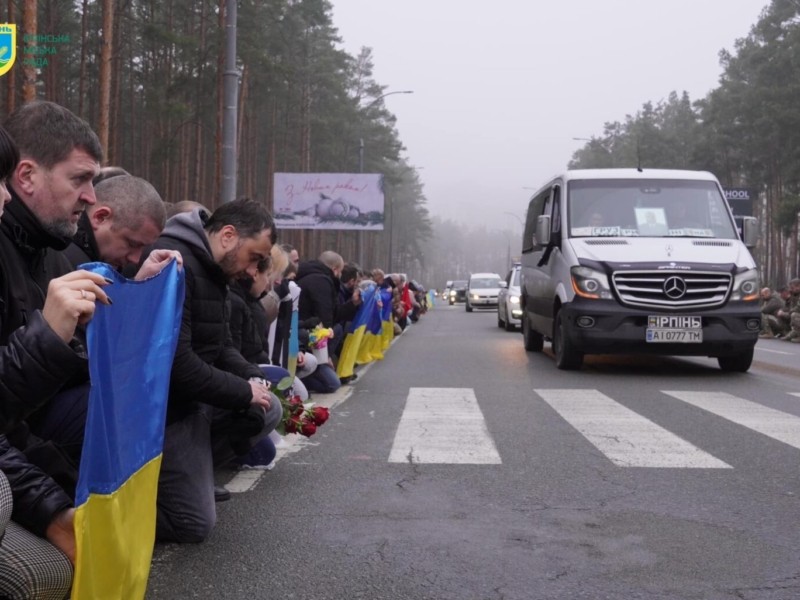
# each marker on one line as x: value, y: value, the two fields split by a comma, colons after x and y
x: 509, y: 312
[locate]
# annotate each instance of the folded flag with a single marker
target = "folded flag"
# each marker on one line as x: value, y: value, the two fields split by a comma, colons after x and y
x: 131, y: 345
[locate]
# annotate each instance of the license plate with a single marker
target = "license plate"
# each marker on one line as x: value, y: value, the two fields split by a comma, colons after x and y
x: 674, y: 330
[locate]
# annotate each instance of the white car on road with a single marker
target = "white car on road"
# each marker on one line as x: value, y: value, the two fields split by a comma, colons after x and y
x: 482, y: 290
x: 509, y: 311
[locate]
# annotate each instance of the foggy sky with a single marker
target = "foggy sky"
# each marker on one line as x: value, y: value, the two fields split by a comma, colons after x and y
x: 502, y: 87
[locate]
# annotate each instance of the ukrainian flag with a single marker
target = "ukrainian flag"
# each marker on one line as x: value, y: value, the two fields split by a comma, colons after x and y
x: 131, y: 345
x: 355, y: 335
x: 387, y: 324
x: 371, y: 347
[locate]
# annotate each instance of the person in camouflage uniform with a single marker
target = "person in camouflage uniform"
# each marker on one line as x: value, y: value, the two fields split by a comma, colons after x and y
x: 794, y: 312
x: 771, y: 303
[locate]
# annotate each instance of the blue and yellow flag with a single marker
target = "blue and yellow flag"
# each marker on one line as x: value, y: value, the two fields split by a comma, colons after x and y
x: 371, y: 347
x: 355, y: 333
x: 387, y: 324
x: 131, y: 345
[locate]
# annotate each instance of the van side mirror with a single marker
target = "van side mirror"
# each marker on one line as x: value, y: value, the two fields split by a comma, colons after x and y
x: 542, y: 230
x: 750, y: 232
x: 503, y: 284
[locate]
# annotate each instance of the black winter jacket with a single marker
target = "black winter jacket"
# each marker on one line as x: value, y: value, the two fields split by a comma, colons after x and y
x: 319, y: 295
x: 34, y: 362
x: 248, y: 329
x: 207, y: 367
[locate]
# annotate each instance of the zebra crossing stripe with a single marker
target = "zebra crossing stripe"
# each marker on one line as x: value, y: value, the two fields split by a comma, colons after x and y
x: 444, y: 426
x: 626, y: 438
x: 775, y: 424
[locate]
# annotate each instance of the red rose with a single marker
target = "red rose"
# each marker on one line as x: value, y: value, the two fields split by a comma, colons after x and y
x: 296, y: 407
x: 319, y: 414
x: 292, y: 424
x: 307, y: 428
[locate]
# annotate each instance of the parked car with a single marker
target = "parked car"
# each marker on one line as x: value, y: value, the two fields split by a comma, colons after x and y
x: 458, y: 292
x: 509, y: 311
x: 482, y: 290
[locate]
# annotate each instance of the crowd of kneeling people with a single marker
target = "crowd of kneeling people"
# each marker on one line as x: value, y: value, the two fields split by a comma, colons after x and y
x: 780, y: 312
x: 60, y: 209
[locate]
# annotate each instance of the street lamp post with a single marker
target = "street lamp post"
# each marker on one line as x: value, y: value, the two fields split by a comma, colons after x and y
x: 521, y: 223
x: 361, y: 138
x: 360, y: 233
x: 231, y: 77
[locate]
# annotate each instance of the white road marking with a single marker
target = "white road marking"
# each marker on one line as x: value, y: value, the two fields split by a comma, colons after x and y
x: 443, y: 426
x: 773, y: 351
x: 795, y: 394
x: 625, y: 437
x: 775, y: 424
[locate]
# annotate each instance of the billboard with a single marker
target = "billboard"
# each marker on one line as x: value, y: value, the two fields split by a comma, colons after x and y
x: 741, y: 200
x: 329, y: 201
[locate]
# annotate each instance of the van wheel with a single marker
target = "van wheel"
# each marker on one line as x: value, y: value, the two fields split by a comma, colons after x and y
x: 533, y: 340
x: 509, y: 324
x: 499, y: 320
x: 467, y: 306
x: 739, y: 363
x: 567, y: 356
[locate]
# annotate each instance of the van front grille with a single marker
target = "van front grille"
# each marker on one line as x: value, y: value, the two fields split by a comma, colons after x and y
x: 711, y: 243
x: 672, y: 289
x: 606, y: 242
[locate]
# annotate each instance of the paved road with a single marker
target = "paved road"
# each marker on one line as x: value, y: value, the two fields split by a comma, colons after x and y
x: 462, y: 467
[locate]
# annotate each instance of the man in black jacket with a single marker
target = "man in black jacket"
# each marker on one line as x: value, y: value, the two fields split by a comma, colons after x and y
x: 216, y: 397
x: 128, y: 216
x: 319, y: 297
x: 50, y: 187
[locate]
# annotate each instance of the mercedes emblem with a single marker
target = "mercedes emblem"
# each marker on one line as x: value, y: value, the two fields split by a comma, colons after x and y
x: 675, y: 288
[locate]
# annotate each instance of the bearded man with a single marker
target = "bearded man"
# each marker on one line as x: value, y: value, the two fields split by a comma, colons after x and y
x: 219, y: 404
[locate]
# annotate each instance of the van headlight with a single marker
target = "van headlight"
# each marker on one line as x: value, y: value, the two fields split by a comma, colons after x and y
x: 746, y: 286
x: 589, y: 283
x: 514, y: 299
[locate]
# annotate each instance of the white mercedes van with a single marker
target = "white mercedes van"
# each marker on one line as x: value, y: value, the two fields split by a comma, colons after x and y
x: 632, y: 261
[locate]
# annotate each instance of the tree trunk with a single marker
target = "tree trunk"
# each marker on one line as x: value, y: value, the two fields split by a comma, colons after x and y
x: 29, y: 28
x: 106, y: 48
x: 82, y: 75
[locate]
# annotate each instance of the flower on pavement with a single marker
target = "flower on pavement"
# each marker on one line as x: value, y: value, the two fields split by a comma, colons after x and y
x: 298, y: 417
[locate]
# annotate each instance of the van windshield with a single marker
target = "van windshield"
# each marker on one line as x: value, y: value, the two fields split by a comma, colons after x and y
x: 648, y: 208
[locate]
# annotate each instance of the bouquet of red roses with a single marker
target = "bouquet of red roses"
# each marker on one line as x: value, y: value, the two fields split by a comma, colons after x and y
x: 298, y: 417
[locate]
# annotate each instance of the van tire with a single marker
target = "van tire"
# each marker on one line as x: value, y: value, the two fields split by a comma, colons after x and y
x: 567, y: 356
x: 509, y: 324
x: 467, y: 306
x: 738, y: 363
x: 500, y: 323
x: 533, y: 340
